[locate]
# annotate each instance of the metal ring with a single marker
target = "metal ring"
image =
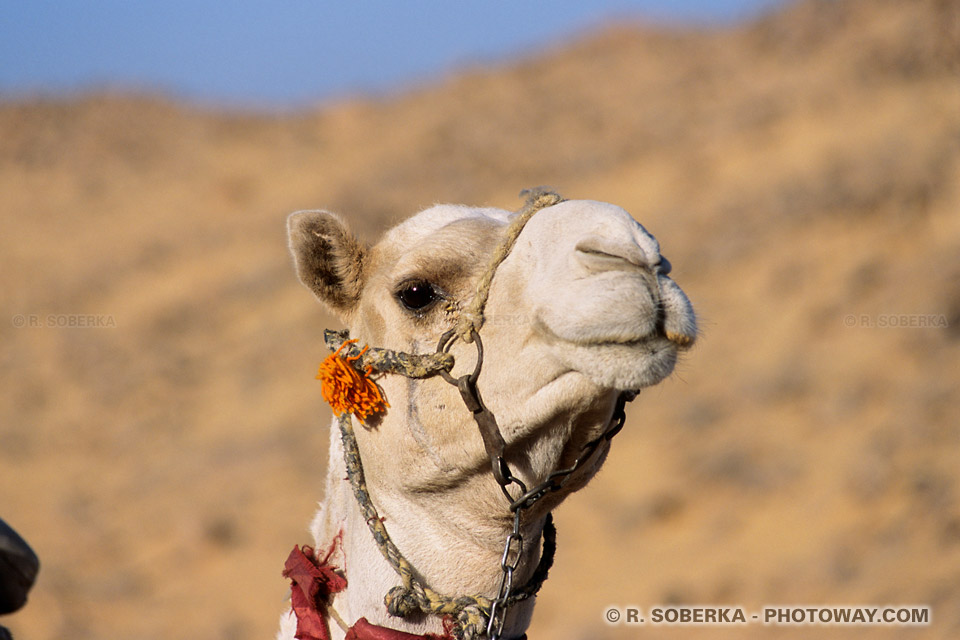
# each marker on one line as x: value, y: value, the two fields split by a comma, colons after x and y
x: 443, y: 346
x: 512, y: 479
x: 447, y: 339
x: 476, y: 370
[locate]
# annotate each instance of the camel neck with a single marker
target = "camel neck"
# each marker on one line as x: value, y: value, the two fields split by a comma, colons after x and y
x: 444, y: 547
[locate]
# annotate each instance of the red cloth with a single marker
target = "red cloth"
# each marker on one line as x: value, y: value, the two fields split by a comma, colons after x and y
x: 364, y: 630
x: 312, y: 582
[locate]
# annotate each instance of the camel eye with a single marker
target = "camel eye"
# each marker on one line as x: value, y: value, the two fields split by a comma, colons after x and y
x: 417, y: 296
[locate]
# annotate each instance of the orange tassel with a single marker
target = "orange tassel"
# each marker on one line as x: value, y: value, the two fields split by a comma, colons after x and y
x: 346, y: 389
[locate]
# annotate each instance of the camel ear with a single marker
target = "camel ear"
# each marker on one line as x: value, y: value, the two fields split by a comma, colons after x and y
x: 328, y: 258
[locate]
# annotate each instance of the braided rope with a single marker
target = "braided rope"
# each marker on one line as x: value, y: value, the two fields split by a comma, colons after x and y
x: 470, y: 613
x: 388, y: 361
x: 471, y: 318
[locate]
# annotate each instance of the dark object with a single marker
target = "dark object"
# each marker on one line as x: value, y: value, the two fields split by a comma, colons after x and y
x: 18, y: 570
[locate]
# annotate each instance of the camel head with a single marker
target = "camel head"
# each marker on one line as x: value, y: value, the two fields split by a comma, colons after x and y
x: 580, y: 310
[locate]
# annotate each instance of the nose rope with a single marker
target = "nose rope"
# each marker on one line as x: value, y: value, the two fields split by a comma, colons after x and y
x: 471, y: 318
x: 411, y: 365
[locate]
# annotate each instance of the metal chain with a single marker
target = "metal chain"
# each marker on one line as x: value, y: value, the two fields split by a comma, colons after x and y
x: 526, y: 499
x: 512, y: 550
x: 556, y: 480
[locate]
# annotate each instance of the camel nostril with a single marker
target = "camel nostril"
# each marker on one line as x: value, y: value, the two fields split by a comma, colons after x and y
x: 602, y: 254
x: 663, y: 267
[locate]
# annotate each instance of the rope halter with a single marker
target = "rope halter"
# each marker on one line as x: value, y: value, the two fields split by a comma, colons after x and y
x: 471, y: 318
x: 473, y: 616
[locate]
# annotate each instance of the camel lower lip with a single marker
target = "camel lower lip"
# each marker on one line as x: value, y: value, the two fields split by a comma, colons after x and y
x: 623, y: 365
x: 644, y: 341
x: 674, y: 340
x: 610, y: 341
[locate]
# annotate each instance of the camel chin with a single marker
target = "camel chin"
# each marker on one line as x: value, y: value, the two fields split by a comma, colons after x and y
x: 624, y: 367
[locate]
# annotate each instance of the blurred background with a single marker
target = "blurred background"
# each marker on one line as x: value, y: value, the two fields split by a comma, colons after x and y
x: 162, y: 438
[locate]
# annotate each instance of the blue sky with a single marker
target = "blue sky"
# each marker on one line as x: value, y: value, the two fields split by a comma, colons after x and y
x: 288, y: 53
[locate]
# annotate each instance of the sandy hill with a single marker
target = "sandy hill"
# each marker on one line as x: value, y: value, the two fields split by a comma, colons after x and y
x: 802, y: 172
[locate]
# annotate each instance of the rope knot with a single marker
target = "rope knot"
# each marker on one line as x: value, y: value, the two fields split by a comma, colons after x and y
x: 470, y: 321
x: 401, y: 602
x: 471, y: 623
x: 540, y: 198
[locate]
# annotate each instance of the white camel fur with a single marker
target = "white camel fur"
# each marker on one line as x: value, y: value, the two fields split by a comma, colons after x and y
x: 579, y: 311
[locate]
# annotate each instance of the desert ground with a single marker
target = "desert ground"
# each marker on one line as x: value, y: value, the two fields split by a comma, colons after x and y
x: 162, y: 437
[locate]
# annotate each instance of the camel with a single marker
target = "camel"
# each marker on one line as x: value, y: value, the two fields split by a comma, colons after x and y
x: 576, y: 313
